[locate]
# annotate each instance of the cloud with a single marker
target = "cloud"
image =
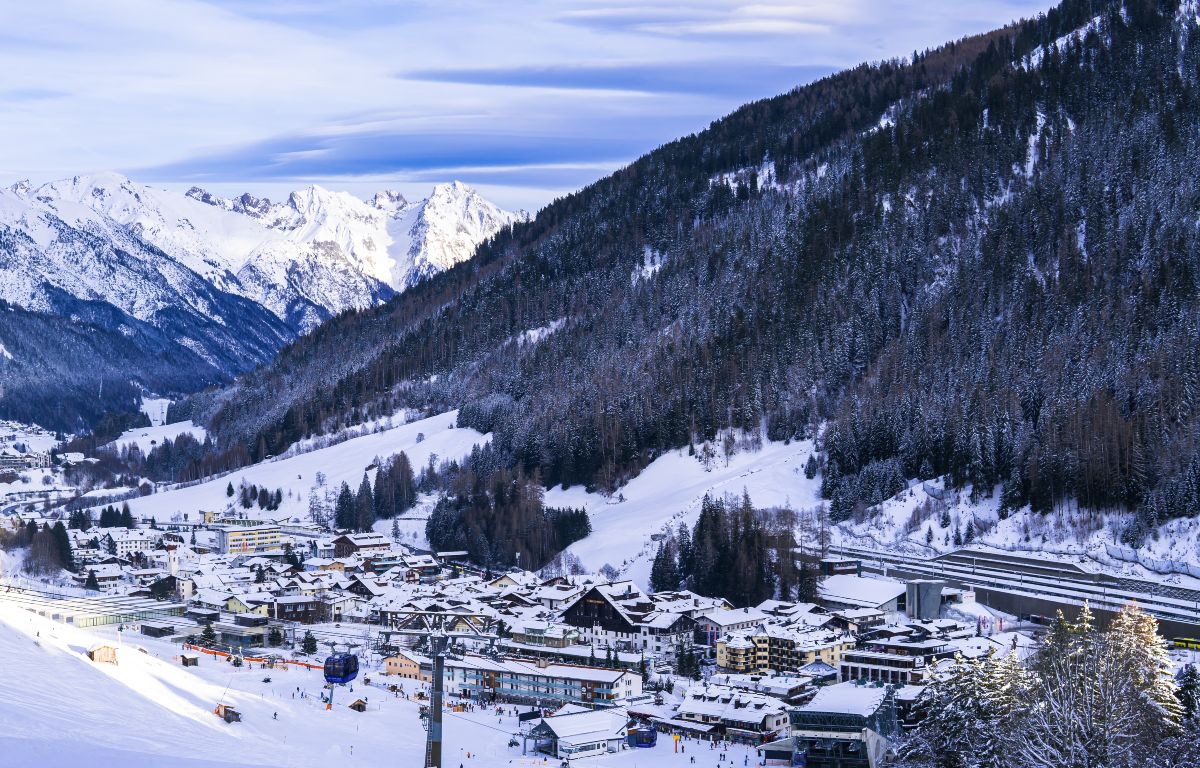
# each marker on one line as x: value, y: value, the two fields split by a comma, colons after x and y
x: 539, y: 159
x: 32, y: 94
x: 520, y: 94
x: 710, y: 78
x: 717, y: 18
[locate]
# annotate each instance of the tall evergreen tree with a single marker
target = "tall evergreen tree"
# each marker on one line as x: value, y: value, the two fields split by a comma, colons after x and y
x: 63, y: 541
x: 345, y: 515
x: 364, y: 506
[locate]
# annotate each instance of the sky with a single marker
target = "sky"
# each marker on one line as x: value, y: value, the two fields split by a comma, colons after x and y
x: 524, y: 99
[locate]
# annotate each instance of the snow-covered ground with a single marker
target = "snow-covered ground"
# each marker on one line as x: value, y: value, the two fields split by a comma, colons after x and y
x: 57, y: 708
x: 146, y: 438
x: 34, y: 438
x: 155, y: 409
x: 669, y: 492
x: 297, y: 475
x: 904, y: 523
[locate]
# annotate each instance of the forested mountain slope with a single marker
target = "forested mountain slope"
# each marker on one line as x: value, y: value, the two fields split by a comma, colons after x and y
x: 981, y: 263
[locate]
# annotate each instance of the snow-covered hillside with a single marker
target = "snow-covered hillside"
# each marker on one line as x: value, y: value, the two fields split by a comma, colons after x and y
x: 297, y: 475
x: 59, y: 708
x: 146, y: 438
x: 929, y: 519
x: 669, y: 492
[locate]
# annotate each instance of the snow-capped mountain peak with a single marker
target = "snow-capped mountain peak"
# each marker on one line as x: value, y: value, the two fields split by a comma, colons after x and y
x: 314, y: 255
x: 453, y: 220
x: 389, y: 200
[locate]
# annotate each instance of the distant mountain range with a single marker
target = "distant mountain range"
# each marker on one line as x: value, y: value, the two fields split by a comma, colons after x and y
x: 179, y: 291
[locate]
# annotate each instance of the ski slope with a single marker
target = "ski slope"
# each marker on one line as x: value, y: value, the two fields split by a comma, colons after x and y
x: 59, y: 709
x: 297, y: 475
x: 669, y: 491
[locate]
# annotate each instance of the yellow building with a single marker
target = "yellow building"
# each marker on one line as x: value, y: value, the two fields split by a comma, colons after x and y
x: 736, y: 653
x: 401, y: 665
x: 779, y: 649
x: 232, y: 539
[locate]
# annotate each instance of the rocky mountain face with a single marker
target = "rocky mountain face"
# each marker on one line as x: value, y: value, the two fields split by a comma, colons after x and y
x: 217, y: 285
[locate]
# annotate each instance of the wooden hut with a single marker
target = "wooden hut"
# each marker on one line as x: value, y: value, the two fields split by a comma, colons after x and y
x: 359, y: 705
x: 103, y: 653
x: 228, y: 713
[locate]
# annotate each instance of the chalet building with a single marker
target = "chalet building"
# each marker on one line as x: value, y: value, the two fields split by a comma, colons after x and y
x: 544, y: 634
x: 733, y: 714
x: 619, y: 616
x: 360, y: 544
x: 301, y: 609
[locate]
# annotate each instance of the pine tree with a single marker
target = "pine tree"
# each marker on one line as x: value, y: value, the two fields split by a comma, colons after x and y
x: 308, y: 645
x: 344, y: 514
x: 1188, y: 681
x: 127, y: 516
x: 664, y: 573
x: 364, y: 506
x: 405, y: 484
x: 810, y: 467
x: 229, y: 489
x: 92, y: 583
x: 63, y: 541
x: 208, y: 636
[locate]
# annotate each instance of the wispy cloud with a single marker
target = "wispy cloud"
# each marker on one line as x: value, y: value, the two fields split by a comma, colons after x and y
x: 723, y: 78
x: 532, y: 97
x: 31, y: 94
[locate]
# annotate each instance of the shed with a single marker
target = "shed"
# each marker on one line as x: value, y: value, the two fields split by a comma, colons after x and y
x: 189, y: 659
x: 228, y: 713
x: 103, y: 653
x: 359, y: 705
x: 580, y: 734
x: 203, y: 615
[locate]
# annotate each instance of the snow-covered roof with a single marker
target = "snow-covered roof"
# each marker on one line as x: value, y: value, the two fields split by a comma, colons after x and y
x: 579, y: 724
x: 847, y: 699
x: 723, y: 617
x: 862, y: 591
